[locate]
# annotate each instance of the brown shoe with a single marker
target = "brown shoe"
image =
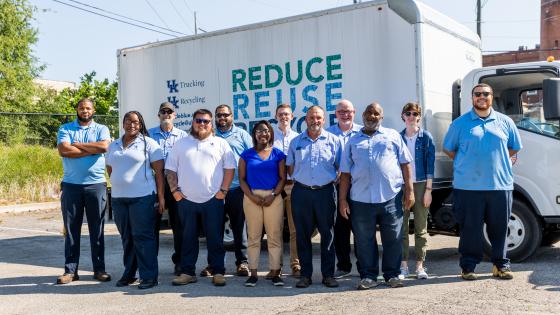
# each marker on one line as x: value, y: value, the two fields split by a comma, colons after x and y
x: 243, y: 270
x: 296, y: 271
x: 219, y: 280
x: 183, y: 279
x: 102, y: 276
x: 67, y: 278
x: 206, y: 272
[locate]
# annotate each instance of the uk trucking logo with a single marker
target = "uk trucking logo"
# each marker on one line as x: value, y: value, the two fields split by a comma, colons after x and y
x: 187, y: 97
x: 172, y: 86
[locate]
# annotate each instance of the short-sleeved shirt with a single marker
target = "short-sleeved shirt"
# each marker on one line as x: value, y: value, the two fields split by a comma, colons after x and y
x: 281, y: 140
x: 481, y: 147
x: 239, y: 140
x: 132, y: 174
x: 200, y: 165
x: 344, y: 135
x: 316, y: 161
x: 374, y: 163
x: 166, y: 139
x: 88, y: 169
x: 262, y: 174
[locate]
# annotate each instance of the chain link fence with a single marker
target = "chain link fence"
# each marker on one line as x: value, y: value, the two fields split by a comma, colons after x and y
x: 42, y: 128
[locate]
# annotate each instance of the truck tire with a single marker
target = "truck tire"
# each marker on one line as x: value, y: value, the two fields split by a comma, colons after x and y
x: 524, y: 233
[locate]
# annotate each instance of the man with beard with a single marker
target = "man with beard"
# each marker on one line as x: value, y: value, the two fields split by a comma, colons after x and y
x: 283, y: 136
x: 200, y: 169
x: 376, y: 163
x: 239, y: 140
x: 313, y: 160
x: 81, y: 145
x: 344, y: 129
x: 166, y: 135
x: 481, y: 143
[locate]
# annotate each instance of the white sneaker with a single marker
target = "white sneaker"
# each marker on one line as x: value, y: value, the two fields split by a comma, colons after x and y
x: 421, y: 273
x: 404, y: 273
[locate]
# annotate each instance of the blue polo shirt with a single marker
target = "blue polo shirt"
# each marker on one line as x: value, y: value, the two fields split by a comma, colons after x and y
x: 316, y: 161
x: 344, y: 135
x: 262, y: 174
x: 166, y: 139
x: 132, y: 174
x: 481, y: 146
x: 88, y: 169
x: 239, y: 140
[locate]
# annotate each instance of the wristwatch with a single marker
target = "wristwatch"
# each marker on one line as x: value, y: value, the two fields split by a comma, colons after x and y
x: 224, y: 191
x: 273, y: 194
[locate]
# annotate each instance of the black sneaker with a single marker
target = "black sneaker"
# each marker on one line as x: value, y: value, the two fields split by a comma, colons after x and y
x: 277, y: 281
x: 147, y: 284
x: 303, y: 282
x: 330, y: 282
x: 123, y: 282
x: 251, y: 282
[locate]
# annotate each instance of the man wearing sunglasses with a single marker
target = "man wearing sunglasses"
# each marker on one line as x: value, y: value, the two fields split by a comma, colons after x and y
x: 344, y: 129
x: 239, y: 140
x: 166, y: 135
x: 481, y: 143
x: 199, y: 170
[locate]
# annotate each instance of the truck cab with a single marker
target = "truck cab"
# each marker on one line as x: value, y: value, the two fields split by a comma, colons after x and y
x: 527, y: 93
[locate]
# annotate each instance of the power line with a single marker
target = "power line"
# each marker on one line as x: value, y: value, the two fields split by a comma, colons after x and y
x: 179, y: 14
x: 186, y: 5
x: 115, y: 19
x: 155, y: 11
x: 123, y: 16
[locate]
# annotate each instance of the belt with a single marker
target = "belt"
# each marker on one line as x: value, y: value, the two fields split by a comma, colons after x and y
x: 314, y: 187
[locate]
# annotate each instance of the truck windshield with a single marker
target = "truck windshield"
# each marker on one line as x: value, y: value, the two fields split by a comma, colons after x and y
x: 532, y: 117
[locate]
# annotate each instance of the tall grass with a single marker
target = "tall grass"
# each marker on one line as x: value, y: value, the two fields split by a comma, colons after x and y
x: 29, y: 174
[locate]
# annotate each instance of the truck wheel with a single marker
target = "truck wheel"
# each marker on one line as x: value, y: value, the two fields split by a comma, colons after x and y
x: 550, y: 238
x: 523, y: 235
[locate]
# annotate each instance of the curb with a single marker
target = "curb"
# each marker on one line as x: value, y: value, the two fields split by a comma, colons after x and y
x: 26, y: 207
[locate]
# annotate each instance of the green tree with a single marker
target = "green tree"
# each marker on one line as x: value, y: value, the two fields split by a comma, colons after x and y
x: 18, y: 66
x: 102, y: 92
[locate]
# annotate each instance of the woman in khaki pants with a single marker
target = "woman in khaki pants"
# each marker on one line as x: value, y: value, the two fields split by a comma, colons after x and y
x: 262, y: 175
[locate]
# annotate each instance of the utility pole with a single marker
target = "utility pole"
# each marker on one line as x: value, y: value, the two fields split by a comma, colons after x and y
x: 195, y: 28
x: 479, y: 18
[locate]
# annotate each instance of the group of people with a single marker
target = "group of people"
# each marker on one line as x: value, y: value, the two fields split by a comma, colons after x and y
x: 346, y: 179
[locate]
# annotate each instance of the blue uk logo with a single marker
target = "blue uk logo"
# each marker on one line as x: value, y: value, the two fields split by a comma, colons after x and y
x: 172, y: 86
x: 173, y: 100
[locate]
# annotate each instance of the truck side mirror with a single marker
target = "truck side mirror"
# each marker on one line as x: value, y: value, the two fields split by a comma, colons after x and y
x: 551, y: 98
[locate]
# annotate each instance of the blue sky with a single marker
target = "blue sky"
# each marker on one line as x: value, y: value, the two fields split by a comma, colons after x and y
x: 73, y: 42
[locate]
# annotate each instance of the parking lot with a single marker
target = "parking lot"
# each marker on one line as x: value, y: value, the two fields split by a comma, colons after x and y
x: 31, y: 257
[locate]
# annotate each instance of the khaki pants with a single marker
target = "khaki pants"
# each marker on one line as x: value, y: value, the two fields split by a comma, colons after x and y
x: 273, y: 219
x: 294, y: 260
x: 420, y: 225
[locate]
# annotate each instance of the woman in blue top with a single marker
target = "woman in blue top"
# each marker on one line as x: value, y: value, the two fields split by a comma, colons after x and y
x: 421, y: 146
x: 132, y: 161
x: 262, y: 175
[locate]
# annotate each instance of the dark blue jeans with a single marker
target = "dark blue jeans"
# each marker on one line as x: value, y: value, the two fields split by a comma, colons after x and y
x: 74, y: 201
x: 342, y: 232
x: 171, y: 206
x: 474, y: 208
x: 135, y: 219
x: 389, y: 216
x: 211, y: 214
x: 234, y: 209
x: 314, y: 209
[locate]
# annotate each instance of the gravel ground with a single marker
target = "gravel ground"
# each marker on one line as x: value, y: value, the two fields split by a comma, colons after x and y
x: 31, y: 257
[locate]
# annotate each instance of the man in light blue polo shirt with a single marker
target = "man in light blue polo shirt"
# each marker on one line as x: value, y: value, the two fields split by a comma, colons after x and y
x: 81, y: 145
x: 344, y: 129
x: 239, y: 140
x: 313, y: 160
x: 481, y: 143
x: 166, y: 135
x: 376, y: 163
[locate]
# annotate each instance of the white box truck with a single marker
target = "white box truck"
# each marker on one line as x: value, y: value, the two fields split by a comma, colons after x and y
x: 390, y: 51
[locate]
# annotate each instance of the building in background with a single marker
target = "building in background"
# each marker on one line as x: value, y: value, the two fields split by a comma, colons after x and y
x: 58, y: 86
x: 549, y: 45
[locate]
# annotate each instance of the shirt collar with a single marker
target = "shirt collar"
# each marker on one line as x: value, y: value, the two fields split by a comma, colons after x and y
x: 420, y: 132
x: 323, y: 135
x: 76, y: 124
x: 288, y: 131
x: 492, y: 115
x: 227, y: 132
x: 381, y: 130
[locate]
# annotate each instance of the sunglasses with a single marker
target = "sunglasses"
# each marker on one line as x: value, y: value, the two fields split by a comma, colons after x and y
x: 223, y: 115
x: 166, y: 111
x: 478, y: 94
x: 202, y: 121
x: 408, y: 114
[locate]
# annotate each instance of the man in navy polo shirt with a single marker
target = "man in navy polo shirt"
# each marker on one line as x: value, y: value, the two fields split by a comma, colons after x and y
x: 166, y: 135
x: 81, y: 145
x: 481, y: 143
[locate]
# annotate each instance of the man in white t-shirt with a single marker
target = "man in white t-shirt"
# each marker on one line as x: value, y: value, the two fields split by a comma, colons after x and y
x: 200, y: 169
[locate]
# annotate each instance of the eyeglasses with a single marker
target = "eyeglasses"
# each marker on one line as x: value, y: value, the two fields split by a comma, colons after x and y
x: 262, y: 131
x: 166, y: 111
x: 478, y: 94
x: 344, y: 112
x: 415, y: 114
x: 132, y: 123
x: 223, y: 115
x: 202, y: 121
